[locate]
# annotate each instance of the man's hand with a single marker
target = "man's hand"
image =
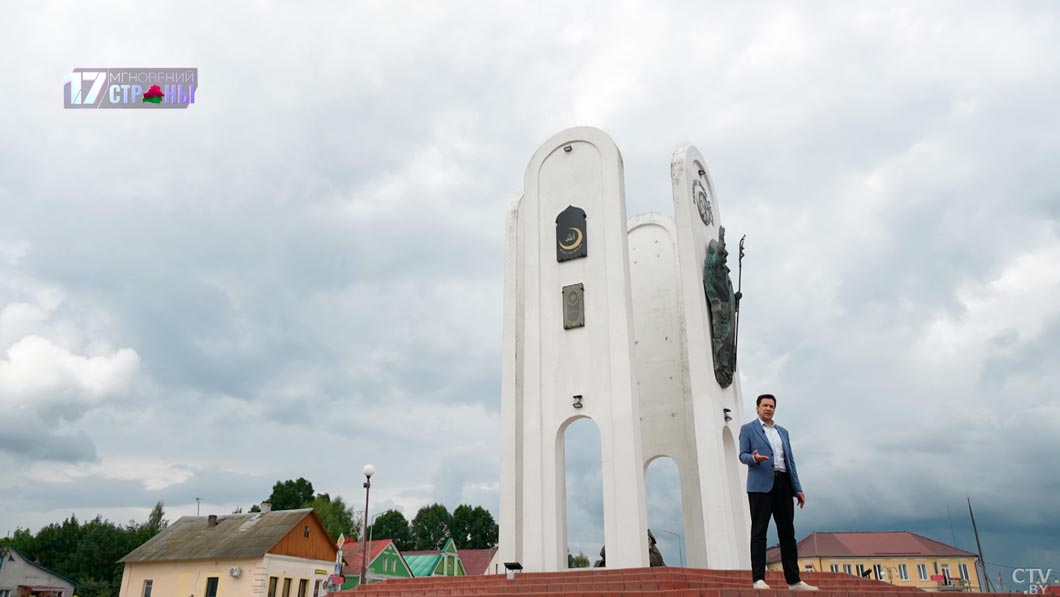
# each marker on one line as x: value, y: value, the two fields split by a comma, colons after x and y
x: 758, y: 457
x: 802, y: 499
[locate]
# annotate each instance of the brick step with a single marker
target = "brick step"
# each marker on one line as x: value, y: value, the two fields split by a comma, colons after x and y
x: 569, y: 582
x: 604, y: 588
x: 690, y: 592
x: 393, y: 589
x: 599, y: 589
x: 627, y: 574
x: 639, y: 582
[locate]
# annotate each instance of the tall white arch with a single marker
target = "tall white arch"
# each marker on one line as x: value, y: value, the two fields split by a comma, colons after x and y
x: 546, y: 366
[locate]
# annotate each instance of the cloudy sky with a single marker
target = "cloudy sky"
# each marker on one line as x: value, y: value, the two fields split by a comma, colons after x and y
x: 302, y: 273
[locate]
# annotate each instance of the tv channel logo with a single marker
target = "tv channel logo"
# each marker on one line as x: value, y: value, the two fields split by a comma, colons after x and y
x: 130, y: 88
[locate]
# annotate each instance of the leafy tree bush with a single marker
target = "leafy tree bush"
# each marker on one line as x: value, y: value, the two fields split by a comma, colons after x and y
x: 473, y: 528
x: 88, y: 553
x: 579, y: 561
x: 291, y: 495
x: 393, y: 525
x: 430, y: 527
x: 336, y: 515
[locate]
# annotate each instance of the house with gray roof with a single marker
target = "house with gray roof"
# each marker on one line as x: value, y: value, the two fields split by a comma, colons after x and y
x: 20, y: 576
x: 272, y: 554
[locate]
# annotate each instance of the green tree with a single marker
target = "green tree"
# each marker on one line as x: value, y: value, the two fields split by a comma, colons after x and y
x: 430, y: 527
x: 335, y: 514
x: 23, y: 540
x: 156, y: 523
x: 88, y: 552
x: 473, y: 528
x: 291, y: 495
x: 579, y: 561
x: 393, y: 525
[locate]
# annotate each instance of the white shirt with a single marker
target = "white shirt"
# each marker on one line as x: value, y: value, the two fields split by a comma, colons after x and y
x: 779, y: 464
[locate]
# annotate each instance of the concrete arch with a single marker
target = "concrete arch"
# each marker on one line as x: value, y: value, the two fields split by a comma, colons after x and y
x: 564, y: 459
x: 663, y: 479
x: 741, y: 529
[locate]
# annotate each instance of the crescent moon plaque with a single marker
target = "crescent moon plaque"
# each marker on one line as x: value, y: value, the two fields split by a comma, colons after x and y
x: 571, y: 241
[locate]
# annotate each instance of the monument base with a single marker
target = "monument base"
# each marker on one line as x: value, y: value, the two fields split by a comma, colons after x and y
x: 663, y: 581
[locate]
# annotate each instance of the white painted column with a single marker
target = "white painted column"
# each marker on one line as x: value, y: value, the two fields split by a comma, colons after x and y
x: 546, y: 365
x: 690, y: 177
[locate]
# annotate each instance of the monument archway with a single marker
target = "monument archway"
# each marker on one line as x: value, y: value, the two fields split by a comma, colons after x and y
x: 662, y: 488
x: 582, y: 500
x: 616, y: 320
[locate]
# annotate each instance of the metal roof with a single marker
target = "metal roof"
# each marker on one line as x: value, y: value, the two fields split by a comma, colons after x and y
x: 423, y: 565
x: 477, y: 561
x: 248, y: 535
x: 861, y: 544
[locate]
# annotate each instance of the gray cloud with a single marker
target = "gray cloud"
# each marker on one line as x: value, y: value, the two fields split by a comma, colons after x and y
x: 308, y: 262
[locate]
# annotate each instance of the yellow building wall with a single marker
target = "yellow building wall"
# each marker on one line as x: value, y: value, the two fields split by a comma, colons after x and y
x: 188, y: 578
x: 891, y: 568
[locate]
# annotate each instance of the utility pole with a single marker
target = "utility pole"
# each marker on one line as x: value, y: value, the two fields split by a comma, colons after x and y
x: 982, y: 562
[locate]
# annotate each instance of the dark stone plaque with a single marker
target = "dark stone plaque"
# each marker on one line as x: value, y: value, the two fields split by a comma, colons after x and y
x: 571, y: 241
x: 573, y: 306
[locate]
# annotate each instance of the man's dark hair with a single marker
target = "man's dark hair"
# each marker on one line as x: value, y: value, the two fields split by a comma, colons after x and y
x: 765, y: 397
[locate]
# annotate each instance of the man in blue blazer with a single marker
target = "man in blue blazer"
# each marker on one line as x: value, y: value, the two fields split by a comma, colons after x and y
x: 772, y: 484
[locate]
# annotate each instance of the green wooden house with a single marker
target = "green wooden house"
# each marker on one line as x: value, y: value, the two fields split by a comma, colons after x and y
x: 442, y: 562
x: 384, y: 562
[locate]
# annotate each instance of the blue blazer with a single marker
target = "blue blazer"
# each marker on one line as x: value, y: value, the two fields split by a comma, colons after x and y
x: 760, y: 474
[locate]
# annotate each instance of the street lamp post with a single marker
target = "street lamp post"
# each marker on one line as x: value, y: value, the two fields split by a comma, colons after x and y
x: 680, y: 547
x: 368, y: 471
x: 372, y: 527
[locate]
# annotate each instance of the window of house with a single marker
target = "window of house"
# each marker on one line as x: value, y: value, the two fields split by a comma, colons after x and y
x: 903, y: 572
x: 286, y: 587
x: 861, y: 569
x: 878, y: 569
x: 945, y: 569
x: 303, y: 585
x: 964, y: 571
x: 846, y: 568
x: 835, y: 567
x: 316, y: 589
x: 272, y: 586
x: 921, y: 571
x: 211, y: 586
x: 305, y: 533
x: 148, y: 585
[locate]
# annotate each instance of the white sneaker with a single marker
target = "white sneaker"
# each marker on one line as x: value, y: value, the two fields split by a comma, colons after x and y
x: 801, y: 586
x: 760, y: 584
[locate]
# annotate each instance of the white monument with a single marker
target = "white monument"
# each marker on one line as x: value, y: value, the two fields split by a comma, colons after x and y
x: 608, y: 319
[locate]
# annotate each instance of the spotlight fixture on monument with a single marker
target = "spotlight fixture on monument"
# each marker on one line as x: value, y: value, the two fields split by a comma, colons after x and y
x: 640, y: 328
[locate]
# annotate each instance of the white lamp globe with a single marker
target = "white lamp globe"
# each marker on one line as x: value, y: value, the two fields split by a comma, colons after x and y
x: 368, y: 470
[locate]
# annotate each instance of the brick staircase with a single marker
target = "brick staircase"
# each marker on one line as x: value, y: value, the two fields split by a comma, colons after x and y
x: 637, y: 582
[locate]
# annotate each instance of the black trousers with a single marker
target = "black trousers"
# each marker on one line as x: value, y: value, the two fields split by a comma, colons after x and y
x: 779, y: 504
